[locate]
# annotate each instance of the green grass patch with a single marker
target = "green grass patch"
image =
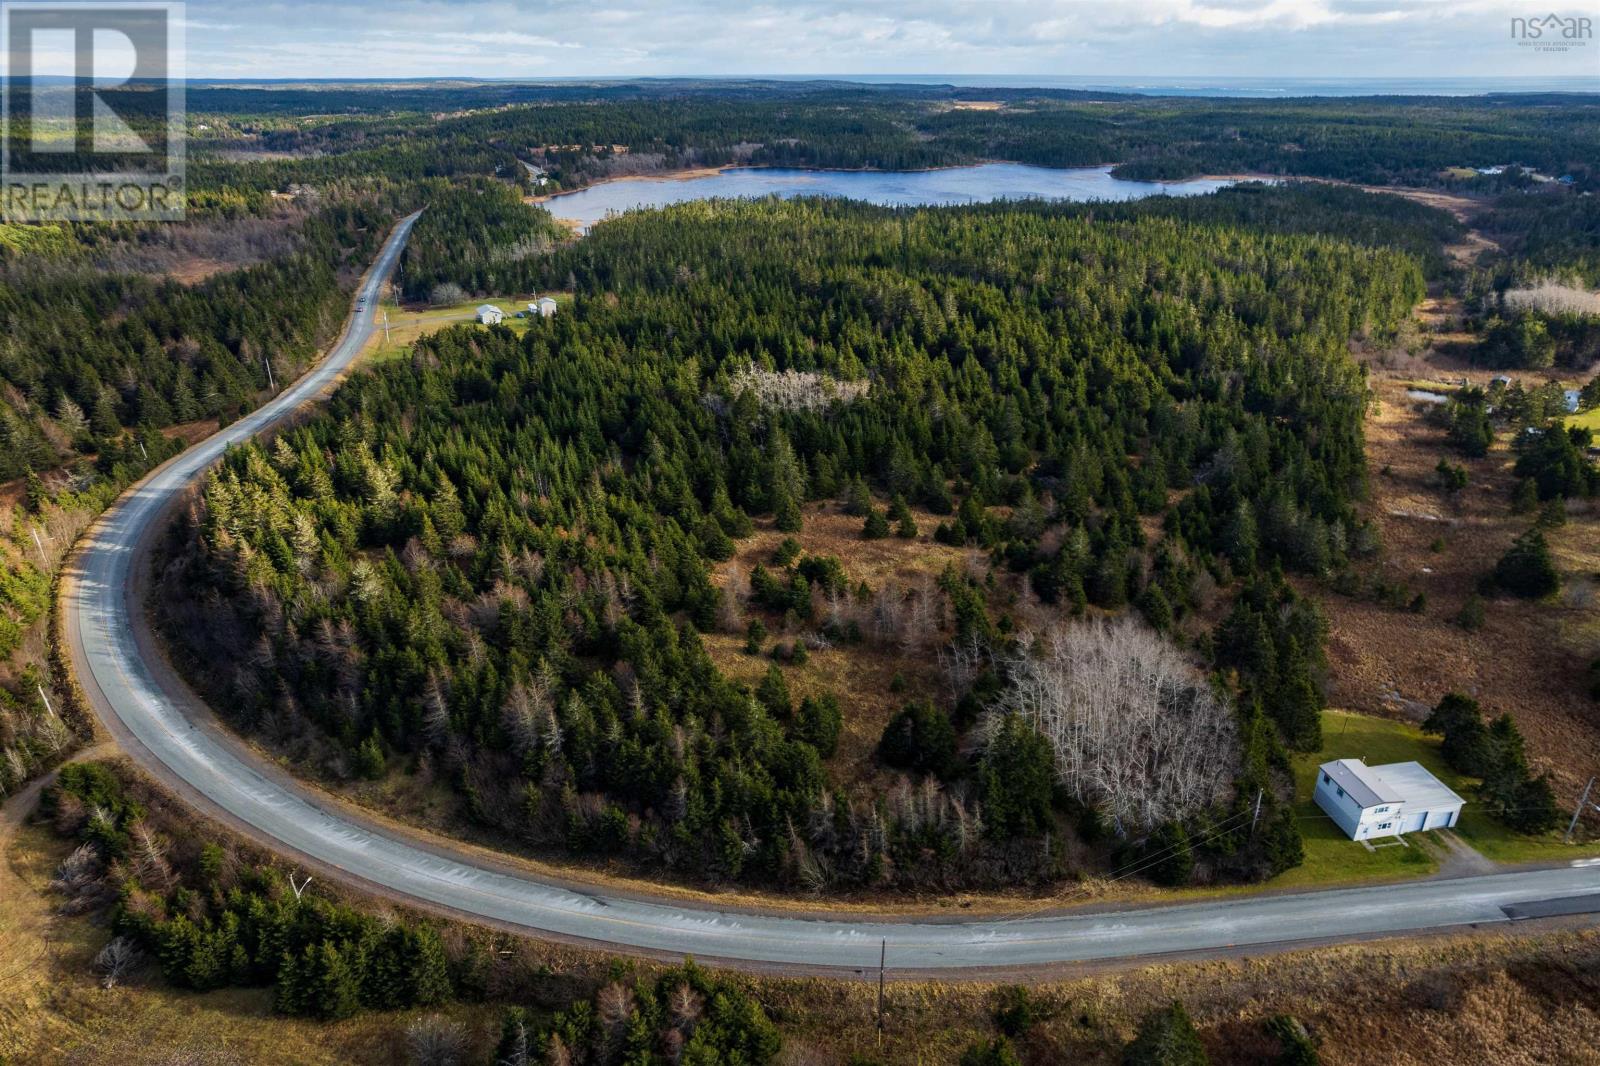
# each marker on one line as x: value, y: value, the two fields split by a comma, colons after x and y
x: 408, y: 324
x: 1589, y: 419
x: 1333, y: 857
x: 1495, y: 841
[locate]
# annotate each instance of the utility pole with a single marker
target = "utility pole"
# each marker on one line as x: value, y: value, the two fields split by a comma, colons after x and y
x: 883, y: 957
x: 385, y: 327
x: 271, y: 385
x: 143, y: 452
x: 47, y: 706
x: 1583, y: 801
x: 37, y: 543
x: 1257, y: 816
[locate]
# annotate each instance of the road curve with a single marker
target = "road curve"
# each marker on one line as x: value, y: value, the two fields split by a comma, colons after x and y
x: 163, y: 725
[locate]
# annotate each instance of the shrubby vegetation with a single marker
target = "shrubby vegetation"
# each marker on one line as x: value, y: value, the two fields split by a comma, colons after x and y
x: 1494, y: 752
x: 1526, y: 569
x: 686, y: 1015
x: 1166, y: 1038
x: 494, y: 563
x: 210, y: 915
x: 212, y: 920
x: 1555, y: 458
x: 35, y: 535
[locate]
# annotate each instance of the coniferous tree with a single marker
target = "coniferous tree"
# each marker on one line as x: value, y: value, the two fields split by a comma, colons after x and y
x: 1166, y: 1038
x: 1527, y: 569
x: 877, y: 526
x: 1016, y: 780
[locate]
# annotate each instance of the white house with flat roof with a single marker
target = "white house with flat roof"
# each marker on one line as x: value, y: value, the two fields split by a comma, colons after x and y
x: 489, y: 314
x: 1381, y: 801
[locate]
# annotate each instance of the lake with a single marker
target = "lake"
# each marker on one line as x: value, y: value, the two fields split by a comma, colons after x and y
x: 954, y: 185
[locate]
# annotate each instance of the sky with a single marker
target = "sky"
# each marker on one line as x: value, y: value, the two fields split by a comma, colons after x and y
x: 1112, y: 39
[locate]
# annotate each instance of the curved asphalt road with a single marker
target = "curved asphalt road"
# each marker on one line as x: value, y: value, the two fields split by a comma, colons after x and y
x: 165, y: 727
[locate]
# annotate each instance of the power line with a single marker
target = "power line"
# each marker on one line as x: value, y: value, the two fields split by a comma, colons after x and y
x: 1142, y: 863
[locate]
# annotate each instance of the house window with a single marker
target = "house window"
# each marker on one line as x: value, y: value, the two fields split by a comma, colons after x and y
x: 1341, y: 793
x: 1384, y: 825
x: 1380, y: 810
x: 1326, y: 780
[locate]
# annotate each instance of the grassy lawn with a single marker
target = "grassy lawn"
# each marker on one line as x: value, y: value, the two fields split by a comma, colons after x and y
x: 1331, y: 856
x: 1589, y: 419
x: 406, y: 324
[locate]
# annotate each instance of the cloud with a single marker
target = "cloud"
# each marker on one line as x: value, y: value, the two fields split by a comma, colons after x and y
x: 1133, y: 38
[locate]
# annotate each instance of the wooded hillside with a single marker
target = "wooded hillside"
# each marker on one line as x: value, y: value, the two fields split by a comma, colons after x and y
x: 492, y: 563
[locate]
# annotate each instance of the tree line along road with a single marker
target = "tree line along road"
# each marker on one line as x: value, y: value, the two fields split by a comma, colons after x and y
x: 170, y: 732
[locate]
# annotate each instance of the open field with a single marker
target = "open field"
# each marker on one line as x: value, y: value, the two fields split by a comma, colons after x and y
x: 406, y: 324
x: 1528, y: 659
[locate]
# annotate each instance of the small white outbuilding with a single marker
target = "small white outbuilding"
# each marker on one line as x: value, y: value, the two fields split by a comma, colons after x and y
x: 545, y: 307
x: 490, y: 315
x: 1381, y: 801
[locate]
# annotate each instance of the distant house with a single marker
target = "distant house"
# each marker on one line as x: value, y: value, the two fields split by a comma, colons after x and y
x: 490, y: 315
x: 545, y: 307
x: 1383, y: 801
x: 1572, y: 398
x: 1502, y: 380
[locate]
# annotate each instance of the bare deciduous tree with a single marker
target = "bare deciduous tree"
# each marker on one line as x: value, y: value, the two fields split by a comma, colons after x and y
x: 1136, y: 730
x: 446, y: 293
x: 795, y: 390
x: 520, y: 1050
x: 120, y: 957
x: 685, y: 1006
x: 435, y: 1041
x: 735, y: 594
x: 1554, y: 298
x: 963, y: 661
x: 148, y: 854
x: 920, y: 621
x: 78, y: 877
x: 526, y: 708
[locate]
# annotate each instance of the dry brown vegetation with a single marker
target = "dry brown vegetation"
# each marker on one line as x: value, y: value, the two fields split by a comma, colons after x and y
x: 1529, y: 658
x: 861, y: 676
x: 190, y: 252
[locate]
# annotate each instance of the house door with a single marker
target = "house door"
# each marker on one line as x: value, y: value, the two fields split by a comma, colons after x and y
x: 1410, y: 823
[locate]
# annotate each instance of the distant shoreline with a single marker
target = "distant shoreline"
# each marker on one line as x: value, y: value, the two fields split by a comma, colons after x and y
x: 696, y: 173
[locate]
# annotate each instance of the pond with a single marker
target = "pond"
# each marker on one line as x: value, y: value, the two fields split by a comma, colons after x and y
x: 1427, y: 396
x: 953, y: 185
